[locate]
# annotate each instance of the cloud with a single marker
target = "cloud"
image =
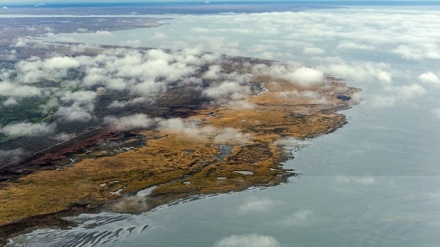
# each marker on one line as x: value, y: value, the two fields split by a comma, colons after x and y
x: 382, y: 101
x: 365, y: 181
x: 356, y: 180
x: 11, y: 156
x: 213, y: 72
x: 266, y: 51
x: 63, y: 136
x: 20, y: 43
x: 142, y: 74
x: 190, y: 129
x: 80, y: 97
x: 241, y: 105
x: 291, y: 143
x: 227, y: 91
x: 193, y: 129
x: 15, y: 89
x: 60, y: 63
x: 418, y: 51
x: 306, y: 76
x: 103, y: 33
x: 135, y: 121
x: 347, y: 45
x: 397, y: 95
x: 436, y: 112
x: 28, y: 129
x: 82, y: 30
x: 256, y: 205
x: 29, y: 71
x: 131, y: 43
x: 249, y: 240
x: 10, y: 101
x: 131, y: 102
x: 148, y: 88
x: 360, y: 71
x: 410, y: 91
x: 429, y: 78
x: 229, y: 135
x: 313, y: 51
x: 302, y: 76
x: 304, y: 217
x: 159, y: 36
x: 76, y: 113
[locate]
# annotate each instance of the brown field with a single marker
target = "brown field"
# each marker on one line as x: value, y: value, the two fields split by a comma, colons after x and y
x: 181, y: 165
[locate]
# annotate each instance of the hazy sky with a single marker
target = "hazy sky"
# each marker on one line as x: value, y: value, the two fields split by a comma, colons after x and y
x: 157, y: 1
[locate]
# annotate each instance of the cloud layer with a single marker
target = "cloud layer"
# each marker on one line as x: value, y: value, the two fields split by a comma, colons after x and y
x: 250, y: 240
x: 393, y: 52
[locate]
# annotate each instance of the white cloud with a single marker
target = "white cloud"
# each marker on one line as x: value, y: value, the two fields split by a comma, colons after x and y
x: 28, y: 129
x: 82, y: 30
x: 436, y: 112
x: 20, y: 43
x: 15, y: 89
x: 103, y: 33
x: 256, y: 205
x: 76, y: 113
x: 189, y: 128
x: 347, y: 45
x: 250, y: 240
x: 241, y: 105
x: 131, y: 43
x: 291, y: 142
x: 229, y: 135
x: 159, y: 36
x: 418, y: 51
x: 383, y: 101
x: 397, y: 95
x: 356, y: 180
x: 429, y: 78
x: 193, y: 129
x: 213, y: 72
x: 135, y: 121
x: 306, y: 76
x: 313, y: 51
x: 360, y: 71
x: 302, y: 76
x: 365, y: 181
x: 10, y: 156
x: 304, y: 217
x: 60, y: 63
x: 63, y: 136
x: 226, y: 91
x: 80, y: 97
x: 10, y: 101
x: 117, y: 84
x: 410, y: 91
x: 148, y: 88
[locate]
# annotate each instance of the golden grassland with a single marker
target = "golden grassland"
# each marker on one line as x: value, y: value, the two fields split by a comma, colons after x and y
x: 182, y: 165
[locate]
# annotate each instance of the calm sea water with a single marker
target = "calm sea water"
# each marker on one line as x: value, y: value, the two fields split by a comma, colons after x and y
x: 374, y: 182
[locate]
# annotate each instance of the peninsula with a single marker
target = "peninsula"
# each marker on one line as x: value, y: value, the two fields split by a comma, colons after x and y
x: 204, y: 124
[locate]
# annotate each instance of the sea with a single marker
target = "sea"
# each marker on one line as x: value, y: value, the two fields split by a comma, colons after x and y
x: 373, y: 182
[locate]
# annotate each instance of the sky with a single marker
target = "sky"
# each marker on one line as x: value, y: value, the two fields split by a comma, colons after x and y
x: 212, y: 1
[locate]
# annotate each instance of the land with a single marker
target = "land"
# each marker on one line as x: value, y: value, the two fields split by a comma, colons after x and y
x: 19, y: 28
x: 221, y: 146
x: 234, y: 145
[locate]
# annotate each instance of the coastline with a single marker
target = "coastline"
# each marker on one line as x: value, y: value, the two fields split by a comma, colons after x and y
x: 186, y: 165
